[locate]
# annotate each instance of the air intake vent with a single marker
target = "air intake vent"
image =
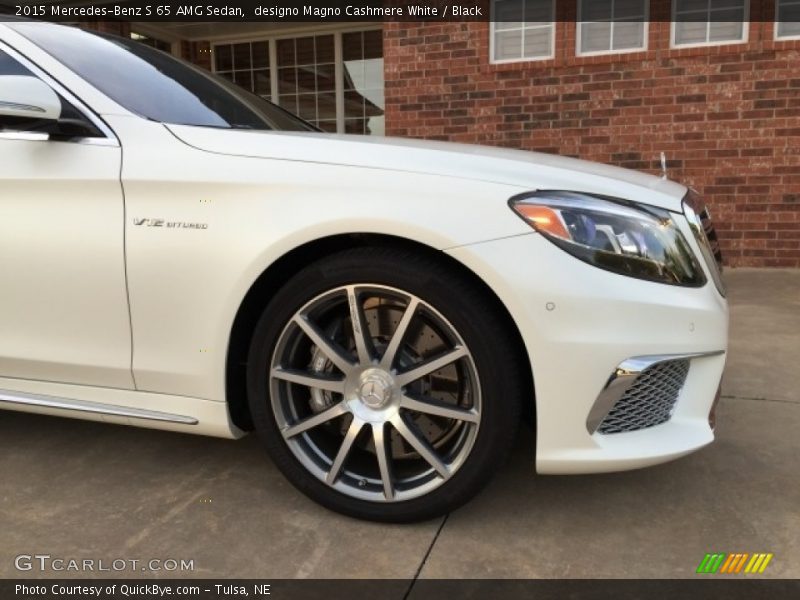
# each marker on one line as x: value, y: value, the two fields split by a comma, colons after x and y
x: 650, y: 400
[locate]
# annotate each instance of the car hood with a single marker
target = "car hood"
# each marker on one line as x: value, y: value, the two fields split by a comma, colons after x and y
x: 526, y: 170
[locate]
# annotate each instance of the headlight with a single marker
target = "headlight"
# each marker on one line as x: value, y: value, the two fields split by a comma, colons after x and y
x: 620, y: 236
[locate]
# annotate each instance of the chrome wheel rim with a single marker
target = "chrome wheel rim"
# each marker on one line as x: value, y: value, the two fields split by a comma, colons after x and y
x: 375, y: 393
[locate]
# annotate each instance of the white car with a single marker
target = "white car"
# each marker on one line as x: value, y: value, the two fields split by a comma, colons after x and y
x: 179, y: 254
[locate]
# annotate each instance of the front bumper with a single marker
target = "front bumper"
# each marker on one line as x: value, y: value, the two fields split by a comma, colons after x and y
x: 578, y: 324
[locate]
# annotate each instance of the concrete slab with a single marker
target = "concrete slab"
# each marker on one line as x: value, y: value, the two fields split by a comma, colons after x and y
x: 740, y: 494
x: 764, y: 357
x: 88, y: 490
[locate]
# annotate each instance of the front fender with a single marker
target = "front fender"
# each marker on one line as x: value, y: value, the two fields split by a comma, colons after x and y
x: 202, y: 227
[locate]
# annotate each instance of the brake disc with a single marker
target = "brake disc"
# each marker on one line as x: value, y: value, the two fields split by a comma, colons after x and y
x: 382, y: 319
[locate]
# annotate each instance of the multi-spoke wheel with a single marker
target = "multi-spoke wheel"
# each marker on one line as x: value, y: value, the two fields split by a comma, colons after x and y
x: 377, y: 392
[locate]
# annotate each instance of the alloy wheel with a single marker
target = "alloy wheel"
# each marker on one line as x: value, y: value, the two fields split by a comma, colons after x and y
x: 375, y: 393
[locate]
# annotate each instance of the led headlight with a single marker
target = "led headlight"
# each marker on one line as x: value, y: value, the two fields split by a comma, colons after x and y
x: 624, y: 237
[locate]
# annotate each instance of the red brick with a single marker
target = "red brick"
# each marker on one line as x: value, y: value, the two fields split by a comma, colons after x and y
x: 727, y: 117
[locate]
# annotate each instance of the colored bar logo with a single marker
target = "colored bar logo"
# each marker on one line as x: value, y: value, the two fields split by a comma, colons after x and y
x: 735, y: 563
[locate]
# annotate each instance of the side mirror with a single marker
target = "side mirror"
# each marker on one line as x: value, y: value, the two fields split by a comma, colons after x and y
x: 24, y: 98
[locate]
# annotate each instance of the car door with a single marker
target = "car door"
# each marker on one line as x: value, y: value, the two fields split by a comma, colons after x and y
x: 63, y: 299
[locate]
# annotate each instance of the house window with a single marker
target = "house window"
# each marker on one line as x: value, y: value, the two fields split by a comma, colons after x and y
x: 709, y: 22
x: 334, y: 81
x: 246, y: 64
x: 362, y: 55
x: 522, y: 30
x: 787, y: 25
x: 611, y: 26
x: 307, y: 79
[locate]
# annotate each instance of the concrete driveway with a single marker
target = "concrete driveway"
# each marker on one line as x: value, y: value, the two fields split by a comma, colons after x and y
x: 77, y: 489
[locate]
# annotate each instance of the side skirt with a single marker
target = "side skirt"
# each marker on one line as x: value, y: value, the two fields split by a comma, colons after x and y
x: 122, y: 407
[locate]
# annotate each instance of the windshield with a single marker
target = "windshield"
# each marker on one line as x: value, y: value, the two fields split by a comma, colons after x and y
x: 158, y: 86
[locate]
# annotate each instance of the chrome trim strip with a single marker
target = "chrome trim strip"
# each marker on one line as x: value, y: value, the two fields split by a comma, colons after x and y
x: 26, y: 136
x: 8, y: 397
x: 34, y: 136
x: 623, y: 378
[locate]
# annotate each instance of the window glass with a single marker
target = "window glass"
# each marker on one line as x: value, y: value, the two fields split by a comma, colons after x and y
x: 9, y: 66
x: 699, y: 22
x: 611, y: 26
x: 364, y: 104
x: 522, y: 29
x: 156, y: 85
x: 307, y: 78
x: 788, y: 18
x: 246, y: 64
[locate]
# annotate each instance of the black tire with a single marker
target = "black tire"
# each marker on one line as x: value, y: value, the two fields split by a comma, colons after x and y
x: 473, y: 315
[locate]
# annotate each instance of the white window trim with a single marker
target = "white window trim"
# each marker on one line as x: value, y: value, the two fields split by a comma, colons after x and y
x: 783, y: 38
x: 273, y: 59
x: 504, y: 61
x: 745, y: 31
x: 645, y: 37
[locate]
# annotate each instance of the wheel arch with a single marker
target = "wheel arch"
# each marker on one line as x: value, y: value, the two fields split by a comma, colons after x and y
x: 282, y: 269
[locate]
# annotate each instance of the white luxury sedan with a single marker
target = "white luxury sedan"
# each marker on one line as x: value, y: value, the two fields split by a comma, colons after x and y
x: 177, y: 253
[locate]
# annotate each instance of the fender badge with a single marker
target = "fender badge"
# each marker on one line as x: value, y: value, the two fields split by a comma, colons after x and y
x: 147, y: 222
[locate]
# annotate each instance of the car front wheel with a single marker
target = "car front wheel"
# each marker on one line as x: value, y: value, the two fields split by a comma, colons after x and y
x: 384, y: 385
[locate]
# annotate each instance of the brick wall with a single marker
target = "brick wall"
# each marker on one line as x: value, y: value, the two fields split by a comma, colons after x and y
x: 728, y: 117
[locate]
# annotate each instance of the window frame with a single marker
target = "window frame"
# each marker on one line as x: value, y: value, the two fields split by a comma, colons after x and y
x: 674, y: 30
x: 783, y: 38
x: 272, y: 40
x: 505, y: 61
x: 645, y: 35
